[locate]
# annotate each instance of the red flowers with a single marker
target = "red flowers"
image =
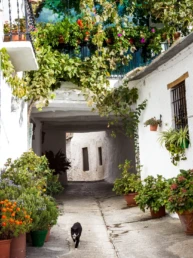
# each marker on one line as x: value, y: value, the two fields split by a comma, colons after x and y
x: 80, y: 23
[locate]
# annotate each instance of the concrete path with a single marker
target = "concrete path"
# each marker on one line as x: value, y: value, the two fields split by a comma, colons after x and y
x: 111, y: 229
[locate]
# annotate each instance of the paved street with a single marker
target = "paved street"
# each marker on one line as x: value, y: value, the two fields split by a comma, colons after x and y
x: 111, y: 229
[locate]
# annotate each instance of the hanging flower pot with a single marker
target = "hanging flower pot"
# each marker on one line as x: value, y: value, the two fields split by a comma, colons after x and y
x: 5, y: 248
x: 160, y: 213
x: 177, y: 35
x: 38, y: 237
x: 18, y: 247
x: 61, y: 39
x: 153, y: 127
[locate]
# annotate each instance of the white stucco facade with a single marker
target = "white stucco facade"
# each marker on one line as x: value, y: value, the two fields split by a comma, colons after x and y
x: 114, y: 152
x: 154, y: 158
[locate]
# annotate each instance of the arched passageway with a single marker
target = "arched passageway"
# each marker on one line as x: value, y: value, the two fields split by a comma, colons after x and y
x: 70, y: 125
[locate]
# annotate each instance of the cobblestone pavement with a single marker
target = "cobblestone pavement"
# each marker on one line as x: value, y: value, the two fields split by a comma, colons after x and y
x: 111, y: 229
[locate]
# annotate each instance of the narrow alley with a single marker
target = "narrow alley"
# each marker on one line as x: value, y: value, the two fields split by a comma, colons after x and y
x: 110, y: 228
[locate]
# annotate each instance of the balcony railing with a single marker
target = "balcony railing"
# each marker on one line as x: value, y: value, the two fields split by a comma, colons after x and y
x: 19, y: 20
x: 86, y: 49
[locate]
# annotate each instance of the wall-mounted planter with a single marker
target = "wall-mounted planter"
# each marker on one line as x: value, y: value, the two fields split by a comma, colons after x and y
x: 185, y: 145
x: 33, y: 1
x: 153, y: 127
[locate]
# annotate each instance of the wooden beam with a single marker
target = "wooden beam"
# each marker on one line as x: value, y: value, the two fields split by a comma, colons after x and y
x: 177, y: 81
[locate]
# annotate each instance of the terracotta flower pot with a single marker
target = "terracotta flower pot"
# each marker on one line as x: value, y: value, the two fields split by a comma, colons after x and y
x: 186, y: 219
x: 129, y: 198
x: 33, y: 1
x: 5, y: 248
x: 159, y: 213
x: 48, y: 235
x: 61, y: 39
x: 18, y: 247
x: 153, y: 128
x: 16, y: 37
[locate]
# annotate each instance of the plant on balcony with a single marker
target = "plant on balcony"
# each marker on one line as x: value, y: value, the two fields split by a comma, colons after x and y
x: 176, y: 142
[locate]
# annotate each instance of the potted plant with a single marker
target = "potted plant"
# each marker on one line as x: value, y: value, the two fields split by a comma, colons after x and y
x: 175, y: 142
x: 151, y: 195
x: 180, y: 198
x: 44, y: 215
x: 128, y: 185
x: 153, y: 122
x: 14, y: 222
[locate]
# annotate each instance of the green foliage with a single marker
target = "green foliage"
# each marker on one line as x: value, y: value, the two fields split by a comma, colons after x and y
x: 53, y: 185
x: 28, y: 170
x: 43, y: 208
x: 152, y: 121
x: 175, y: 142
x: 129, y: 182
x: 58, y: 162
x: 151, y: 194
x: 180, y: 192
x: 17, y: 84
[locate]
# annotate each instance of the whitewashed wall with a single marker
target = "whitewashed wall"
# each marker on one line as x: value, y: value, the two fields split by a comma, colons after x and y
x: 13, y: 121
x: 154, y: 158
x: 114, y: 152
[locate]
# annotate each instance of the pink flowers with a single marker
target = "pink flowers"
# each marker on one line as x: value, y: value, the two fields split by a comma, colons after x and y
x: 119, y: 35
x: 153, y: 30
x: 173, y: 187
x: 142, y: 40
x: 181, y: 178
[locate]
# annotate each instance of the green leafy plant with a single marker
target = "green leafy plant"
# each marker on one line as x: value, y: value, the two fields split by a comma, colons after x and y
x: 180, y: 192
x: 53, y: 185
x: 28, y: 170
x: 58, y: 162
x: 152, y: 121
x: 129, y: 182
x: 43, y: 208
x: 175, y: 142
x: 151, y: 194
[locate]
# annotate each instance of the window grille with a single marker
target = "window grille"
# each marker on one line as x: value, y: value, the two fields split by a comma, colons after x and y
x: 179, y: 105
x: 85, y: 159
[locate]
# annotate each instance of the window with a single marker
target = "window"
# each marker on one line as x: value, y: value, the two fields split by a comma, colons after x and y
x: 179, y: 105
x: 100, y: 156
x: 85, y: 159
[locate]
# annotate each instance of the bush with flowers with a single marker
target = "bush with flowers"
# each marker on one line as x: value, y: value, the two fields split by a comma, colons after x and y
x: 29, y: 170
x: 180, y: 192
x: 14, y: 219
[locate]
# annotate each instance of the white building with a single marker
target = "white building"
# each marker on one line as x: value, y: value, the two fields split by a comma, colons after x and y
x: 13, y: 112
x: 171, y: 73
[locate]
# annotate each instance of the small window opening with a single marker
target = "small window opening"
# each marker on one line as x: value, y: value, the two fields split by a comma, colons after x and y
x: 85, y: 159
x: 100, y: 156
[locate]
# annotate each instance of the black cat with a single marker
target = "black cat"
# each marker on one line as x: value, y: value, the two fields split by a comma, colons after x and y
x: 76, y: 231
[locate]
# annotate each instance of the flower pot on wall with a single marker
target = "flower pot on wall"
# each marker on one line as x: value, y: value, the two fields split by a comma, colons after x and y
x: 186, y: 219
x: 5, y: 248
x: 185, y: 145
x: 33, y: 1
x: 18, y: 247
x: 153, y: 128
x: 160, y: 213
x: 129, y: 198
